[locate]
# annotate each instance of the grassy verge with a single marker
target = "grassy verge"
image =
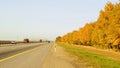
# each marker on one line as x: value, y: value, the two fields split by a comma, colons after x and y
x: 95, y: 60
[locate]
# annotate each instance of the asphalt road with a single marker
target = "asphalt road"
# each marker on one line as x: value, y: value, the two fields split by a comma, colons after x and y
x: 24, y: 55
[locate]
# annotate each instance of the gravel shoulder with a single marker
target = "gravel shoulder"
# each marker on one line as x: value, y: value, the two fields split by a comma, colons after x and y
x: 59, y: 58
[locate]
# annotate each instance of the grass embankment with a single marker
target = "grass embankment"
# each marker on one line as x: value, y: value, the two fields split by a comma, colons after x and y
x: 95, y: 60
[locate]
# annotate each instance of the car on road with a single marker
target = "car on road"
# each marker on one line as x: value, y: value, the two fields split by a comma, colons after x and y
x: 13, y: 42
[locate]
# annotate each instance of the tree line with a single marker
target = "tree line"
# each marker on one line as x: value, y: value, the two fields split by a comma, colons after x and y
x: 102, y: 33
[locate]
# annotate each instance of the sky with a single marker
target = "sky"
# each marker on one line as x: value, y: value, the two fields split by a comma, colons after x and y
x: 46, y: 19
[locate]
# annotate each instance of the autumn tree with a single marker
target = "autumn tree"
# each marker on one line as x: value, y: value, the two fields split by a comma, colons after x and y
x: 58, y: 39
x: 103, y: 33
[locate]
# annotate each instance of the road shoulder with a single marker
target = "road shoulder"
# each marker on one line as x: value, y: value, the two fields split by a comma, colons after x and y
x: 59, y: 58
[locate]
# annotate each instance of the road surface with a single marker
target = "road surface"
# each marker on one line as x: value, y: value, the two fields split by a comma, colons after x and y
x: 35, y: 55
x: 7, y: 50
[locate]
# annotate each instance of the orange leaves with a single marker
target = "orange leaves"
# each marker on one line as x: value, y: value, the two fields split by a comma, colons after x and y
x: 109, y: 6
x: 105, y: 32
x: 86, y: 33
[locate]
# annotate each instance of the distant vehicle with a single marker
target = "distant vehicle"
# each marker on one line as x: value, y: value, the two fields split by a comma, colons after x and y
x: 13, y: 42
x: 26, y: 40
x: 40, y: 40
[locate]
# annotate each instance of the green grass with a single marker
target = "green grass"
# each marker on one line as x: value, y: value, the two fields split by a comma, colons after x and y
x: 95, y: 60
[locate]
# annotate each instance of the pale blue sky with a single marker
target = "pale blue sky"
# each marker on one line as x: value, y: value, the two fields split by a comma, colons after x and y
x: 45, y: 19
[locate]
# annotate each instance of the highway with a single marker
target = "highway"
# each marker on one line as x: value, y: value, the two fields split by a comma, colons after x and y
x: 24, y: 55
x: 36, y: 55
